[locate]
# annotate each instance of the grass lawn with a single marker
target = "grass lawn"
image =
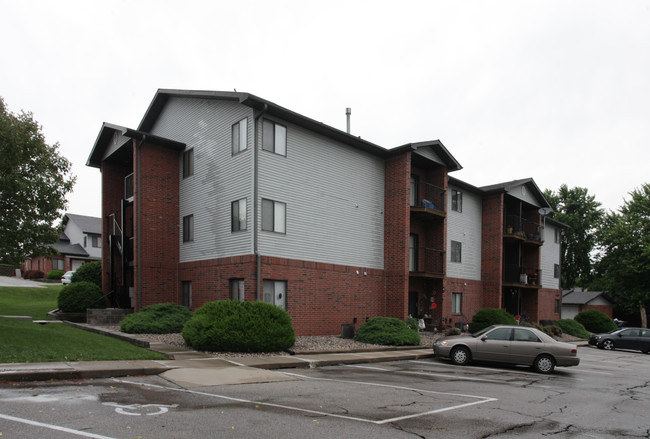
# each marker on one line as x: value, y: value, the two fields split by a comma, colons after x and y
x: 22, y: 341
x: 28, y: 301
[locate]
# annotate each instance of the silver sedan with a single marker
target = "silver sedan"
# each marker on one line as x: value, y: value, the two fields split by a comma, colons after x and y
x: 508, y: 344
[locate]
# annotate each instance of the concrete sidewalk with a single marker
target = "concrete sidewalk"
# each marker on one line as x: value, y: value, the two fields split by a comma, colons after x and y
x: 192, y: 369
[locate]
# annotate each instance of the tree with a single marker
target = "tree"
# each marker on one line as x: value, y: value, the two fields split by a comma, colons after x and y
x: 624, y: 264
x: 34, y: 181
x: 582, y: 213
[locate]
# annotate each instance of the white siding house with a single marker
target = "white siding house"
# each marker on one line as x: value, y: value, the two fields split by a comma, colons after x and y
x: 464, y: 226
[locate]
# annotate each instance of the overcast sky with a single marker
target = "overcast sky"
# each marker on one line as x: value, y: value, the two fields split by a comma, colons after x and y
x: 554, y: 90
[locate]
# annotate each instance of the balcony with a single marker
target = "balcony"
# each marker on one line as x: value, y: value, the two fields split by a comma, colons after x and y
x: 428, y: 201
x: 430, y: 263
x: 525, y: 277
x: 518, y: 228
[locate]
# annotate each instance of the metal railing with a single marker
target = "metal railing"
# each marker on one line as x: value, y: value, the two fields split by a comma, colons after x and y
x: 429, y: 261
x: 516, y: 225
x: 522, y: 275
x: 431, y: 196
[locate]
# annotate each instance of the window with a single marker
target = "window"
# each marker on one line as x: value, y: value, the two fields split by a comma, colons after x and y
x: 274, y: 137
x: 556, y: 271
x: 57, y: 264
x: 275, y: 292
x: 188, y: 228
x: 456, y: 200
x: 237, y: 290
x: 557, y: 306
x: 274, y: 216
x: 456, y: 303
x: 85, y: 241
x: 96, y: 241
x: 239, y: 136
x: 499, y: 334
x: 558, y: 236
x: 456, y: 251
x: 187, y: 293
x: 239, y: 215
x: 525, y: 335
x: 188, y: 163
x: 414, y: 190
x: 413, y: 253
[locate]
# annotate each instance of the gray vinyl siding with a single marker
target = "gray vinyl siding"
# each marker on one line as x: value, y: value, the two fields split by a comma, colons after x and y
x: 334, y: 197
x: 550, y: 256
x: 465, y: 227
x: 219, y: 177
x: 527, y: 197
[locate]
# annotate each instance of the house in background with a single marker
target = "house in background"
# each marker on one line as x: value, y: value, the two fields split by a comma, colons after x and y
x: 80, y: 242
x: 576, y: 300
x: 224, y: 195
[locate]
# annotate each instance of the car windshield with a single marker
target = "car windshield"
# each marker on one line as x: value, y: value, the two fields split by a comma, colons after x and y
x: 482, y: 331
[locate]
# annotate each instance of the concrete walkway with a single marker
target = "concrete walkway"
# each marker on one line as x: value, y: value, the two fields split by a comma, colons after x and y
x: 190, y: 368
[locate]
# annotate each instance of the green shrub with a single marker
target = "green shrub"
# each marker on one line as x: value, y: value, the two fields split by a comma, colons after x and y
x: 233, y: 326
x: 573, y: 327
x: 162, y: 318
x: 79, y: 296
x: 55, y: 274
x: 89, y: 272
x: 412, y: 323
x: 595, y: 321
x: 553, y: 331
x: 387, y: 331
x: 490, y: 316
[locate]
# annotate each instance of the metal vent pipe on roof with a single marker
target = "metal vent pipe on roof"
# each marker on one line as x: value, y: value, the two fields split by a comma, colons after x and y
x: 348, y: 112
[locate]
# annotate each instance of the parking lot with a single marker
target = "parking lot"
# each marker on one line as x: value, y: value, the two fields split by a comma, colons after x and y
x: 606, y: 396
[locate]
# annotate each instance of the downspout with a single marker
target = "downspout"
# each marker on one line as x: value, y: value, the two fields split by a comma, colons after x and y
x: 139, y: 222
x: 258, y: 257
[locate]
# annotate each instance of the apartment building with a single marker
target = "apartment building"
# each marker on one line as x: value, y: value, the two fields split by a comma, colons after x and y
x: 224, y: 195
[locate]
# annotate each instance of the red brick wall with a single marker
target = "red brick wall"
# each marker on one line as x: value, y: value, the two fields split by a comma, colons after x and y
x: 492, y: 250
x: 546, y: 305
x: 320, y: 297
x: 158, y: 232
x: 472, y: 299
x: 396, y: 234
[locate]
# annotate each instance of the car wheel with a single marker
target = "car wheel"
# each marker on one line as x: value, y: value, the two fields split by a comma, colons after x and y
x: 544, y: 364
x: 460, y: 356
x: 608, y: 345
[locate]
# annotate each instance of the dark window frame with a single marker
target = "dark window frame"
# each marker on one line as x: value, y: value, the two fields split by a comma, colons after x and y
x: 188, y: 163
x: 456, y: 201
x: 235, y: 215
x: 456, y: 254
x: 236, y: 132
x: 265, y: 220
x: 270, y: 137
x: 188, y: 228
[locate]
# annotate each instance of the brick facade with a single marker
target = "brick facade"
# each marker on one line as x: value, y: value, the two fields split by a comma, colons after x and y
x: 492, y: 249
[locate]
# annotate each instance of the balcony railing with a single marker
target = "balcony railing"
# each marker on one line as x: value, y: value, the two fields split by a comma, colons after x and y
x: 430, y: 261
x: 522, y: 228
x: 522, y: 275
x: 431, y: 197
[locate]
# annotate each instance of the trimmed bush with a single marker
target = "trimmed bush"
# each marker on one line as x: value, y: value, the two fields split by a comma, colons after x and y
x: 79, y: 296
x: 162, y: 318
x: 490, y: 316
x: 412, y: 323
x: 553, y: 331
x: 387, y: 331
x: 232, y: 326
x: 573, y: 327
x: 89, y: 272
x: 33, y: 274
x: 595, y: 321
x: 55, y: 274
x: 452, y: 331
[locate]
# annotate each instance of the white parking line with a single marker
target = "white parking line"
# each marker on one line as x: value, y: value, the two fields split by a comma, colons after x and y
x: 494, y: 370
x: 480, y: 399
x: 53, y: 427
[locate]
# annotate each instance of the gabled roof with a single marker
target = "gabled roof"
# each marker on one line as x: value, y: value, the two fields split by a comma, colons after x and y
x: 70, y: 249
x: 512, y: 185
x: 578, y: 296
x: 104, y: 143
x: 257, y: 103
x: 436, y: 146
x: 87, y: 224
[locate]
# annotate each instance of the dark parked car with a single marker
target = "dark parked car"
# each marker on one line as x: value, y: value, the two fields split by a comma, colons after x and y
x: 637, y: 339
x: 508, y: 344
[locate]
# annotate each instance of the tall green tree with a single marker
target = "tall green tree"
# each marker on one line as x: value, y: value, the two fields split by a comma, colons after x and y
x: 34, y: 181
x: 624, y: 264
x: 583, y: 214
